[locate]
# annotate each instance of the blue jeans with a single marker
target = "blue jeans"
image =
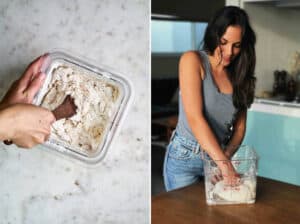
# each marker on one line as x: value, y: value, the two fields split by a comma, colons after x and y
x: 183, y: 164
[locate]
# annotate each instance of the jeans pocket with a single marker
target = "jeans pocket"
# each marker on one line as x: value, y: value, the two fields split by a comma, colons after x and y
x: 180, y: 151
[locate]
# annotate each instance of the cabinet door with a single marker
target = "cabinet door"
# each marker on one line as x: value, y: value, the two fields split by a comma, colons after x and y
x: 276, y: 139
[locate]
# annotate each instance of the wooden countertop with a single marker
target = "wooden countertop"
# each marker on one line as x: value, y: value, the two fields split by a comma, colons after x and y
x: 276, y: 202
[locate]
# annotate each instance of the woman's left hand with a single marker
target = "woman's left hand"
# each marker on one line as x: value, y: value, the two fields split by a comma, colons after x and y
x: 26, y: 87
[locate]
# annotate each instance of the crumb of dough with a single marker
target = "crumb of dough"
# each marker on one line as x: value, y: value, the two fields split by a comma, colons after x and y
x: 95, y: 99
x: 76, y: 183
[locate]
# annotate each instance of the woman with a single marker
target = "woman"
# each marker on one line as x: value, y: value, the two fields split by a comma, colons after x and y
x: 21, y: 122
x: 216, y: 88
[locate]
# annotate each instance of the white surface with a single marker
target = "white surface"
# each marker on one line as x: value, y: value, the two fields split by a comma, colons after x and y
x: 276, y: 107
x: 41, y: 187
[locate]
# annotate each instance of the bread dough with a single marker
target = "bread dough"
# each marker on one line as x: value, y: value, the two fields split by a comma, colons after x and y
x: 241, y: 193
x: 95, y: 98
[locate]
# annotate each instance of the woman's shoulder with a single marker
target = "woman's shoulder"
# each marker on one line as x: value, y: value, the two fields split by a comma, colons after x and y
x: 192, y: 60
x: 191, y: 56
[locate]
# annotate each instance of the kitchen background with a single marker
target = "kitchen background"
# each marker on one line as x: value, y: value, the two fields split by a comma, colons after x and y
x: 278, y: 39
x: 277, y: 32
x: 37, y: 186
x: 273, y: 120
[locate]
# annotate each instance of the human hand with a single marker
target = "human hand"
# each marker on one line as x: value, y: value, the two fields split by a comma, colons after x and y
x: 226, y: 172
x: 26, y: 125
x: 230, y: 176
x: 25, y: 88
x: 215, y: 175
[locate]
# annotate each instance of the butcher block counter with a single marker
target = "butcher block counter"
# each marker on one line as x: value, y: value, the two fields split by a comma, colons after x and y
x: 276, y: 202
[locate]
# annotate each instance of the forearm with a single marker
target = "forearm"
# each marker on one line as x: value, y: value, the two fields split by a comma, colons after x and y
x: 207, y: 139
x: 233, y: 144
x: 238, y: 135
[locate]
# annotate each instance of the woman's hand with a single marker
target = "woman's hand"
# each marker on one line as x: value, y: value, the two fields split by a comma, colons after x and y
x: 25, y: 88
x: 229, y: 175
x: 226, y: 172
x: 25, y: 125
x: 22, y: 123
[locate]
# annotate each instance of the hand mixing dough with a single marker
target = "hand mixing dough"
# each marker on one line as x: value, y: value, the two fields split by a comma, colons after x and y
x: 95, y: 99
x: 241, y: 193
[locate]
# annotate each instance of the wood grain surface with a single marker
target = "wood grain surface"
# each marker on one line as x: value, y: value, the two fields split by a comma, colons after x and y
x: 276, y: 202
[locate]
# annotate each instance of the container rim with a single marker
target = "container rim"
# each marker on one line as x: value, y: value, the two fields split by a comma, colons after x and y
x: 119, y: 117
x: 253, y: 155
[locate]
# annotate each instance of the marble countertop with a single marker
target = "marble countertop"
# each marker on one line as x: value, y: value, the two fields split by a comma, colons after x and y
x: 38, y: 186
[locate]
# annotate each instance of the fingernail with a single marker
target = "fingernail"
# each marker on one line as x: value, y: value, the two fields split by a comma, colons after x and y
x: 46, y: 62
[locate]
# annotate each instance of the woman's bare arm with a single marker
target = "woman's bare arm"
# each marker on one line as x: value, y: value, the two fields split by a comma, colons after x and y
x: 238, y: 135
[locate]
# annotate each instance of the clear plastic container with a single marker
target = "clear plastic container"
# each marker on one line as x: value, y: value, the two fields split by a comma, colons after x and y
x: 116, y: 113
x: 245, y: 163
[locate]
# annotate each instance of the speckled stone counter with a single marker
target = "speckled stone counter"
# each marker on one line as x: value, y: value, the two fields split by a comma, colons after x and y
x: 37, y: 186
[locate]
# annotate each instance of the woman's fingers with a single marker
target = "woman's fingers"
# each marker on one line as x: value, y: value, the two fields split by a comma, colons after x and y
x: 31, y: 72
x: 25, y: 88
x: 217, y: 176
x: 214, y: 179
x: 232, y: 180
x: 220, y: 177
x: 34, y: 86
x: 46, y: 62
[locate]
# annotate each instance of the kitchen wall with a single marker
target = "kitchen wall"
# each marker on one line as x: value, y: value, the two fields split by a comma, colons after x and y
x: 278, y: 37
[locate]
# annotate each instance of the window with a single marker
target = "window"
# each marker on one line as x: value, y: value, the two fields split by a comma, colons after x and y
x: 176, y: 36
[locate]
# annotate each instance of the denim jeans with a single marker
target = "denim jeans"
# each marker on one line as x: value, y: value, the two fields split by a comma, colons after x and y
x: 183, y: 164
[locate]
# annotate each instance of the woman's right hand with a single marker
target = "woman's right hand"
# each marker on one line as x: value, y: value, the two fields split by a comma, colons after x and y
x: 229, y: 175
x: 25, y: 125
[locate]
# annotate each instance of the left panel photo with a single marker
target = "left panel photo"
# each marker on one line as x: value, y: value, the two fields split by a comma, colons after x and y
x: 74, y: 111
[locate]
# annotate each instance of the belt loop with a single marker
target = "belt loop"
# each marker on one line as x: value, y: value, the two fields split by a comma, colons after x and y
x: 197, y: 148
x: 173, y: 135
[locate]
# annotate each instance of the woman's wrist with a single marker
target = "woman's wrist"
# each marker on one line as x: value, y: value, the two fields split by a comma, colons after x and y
x: 227, y: 154
x: 6, y: 127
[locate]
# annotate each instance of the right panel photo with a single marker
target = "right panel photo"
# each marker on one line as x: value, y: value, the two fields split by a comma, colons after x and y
x: 225, y: 88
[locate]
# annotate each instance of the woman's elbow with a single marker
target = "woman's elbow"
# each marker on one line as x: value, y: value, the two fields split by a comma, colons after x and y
x: 195, y: 120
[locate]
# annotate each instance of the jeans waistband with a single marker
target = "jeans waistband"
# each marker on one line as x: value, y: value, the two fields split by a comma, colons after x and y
x: 189, y: 143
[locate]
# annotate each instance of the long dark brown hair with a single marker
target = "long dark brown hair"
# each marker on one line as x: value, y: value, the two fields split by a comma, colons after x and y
x: 241, y: 69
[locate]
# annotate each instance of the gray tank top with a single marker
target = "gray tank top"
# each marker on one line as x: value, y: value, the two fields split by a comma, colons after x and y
x: 218, y: 108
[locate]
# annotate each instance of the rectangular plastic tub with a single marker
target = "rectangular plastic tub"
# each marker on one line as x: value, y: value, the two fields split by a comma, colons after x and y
x: 102, y: 77
x: 245, y: 162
